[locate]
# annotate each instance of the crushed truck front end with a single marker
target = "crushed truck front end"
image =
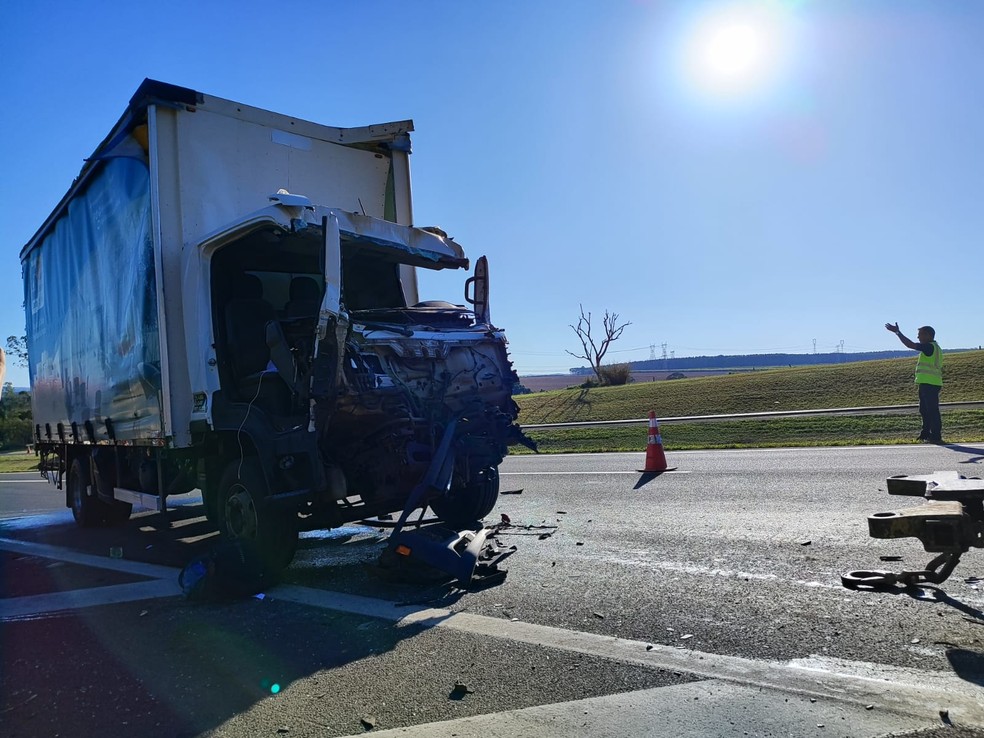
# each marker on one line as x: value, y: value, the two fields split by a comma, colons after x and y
x: 352, y: 384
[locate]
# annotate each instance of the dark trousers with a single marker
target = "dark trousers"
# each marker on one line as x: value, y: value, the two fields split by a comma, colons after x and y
x: 929, y: 408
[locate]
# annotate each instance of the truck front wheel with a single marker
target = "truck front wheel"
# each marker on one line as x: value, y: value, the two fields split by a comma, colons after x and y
x: 244, y: 515
x: 468, y: 503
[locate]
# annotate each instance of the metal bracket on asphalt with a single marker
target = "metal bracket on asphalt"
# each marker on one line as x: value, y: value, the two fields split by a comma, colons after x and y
x: 949, y: 523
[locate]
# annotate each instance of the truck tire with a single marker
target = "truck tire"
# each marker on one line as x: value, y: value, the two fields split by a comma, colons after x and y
x: 243, y: 515
x: 211, y: 504
x: 114, y: 512
x: 87, y: 509
x: 471, y: 502
x: 210, y: 486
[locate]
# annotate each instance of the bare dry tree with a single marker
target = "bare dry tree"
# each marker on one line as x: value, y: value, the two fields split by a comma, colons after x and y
x: 594, y: 351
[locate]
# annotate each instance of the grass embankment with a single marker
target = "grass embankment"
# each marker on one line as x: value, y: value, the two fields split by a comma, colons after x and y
x: 859, y: 384
x: 18, y: 461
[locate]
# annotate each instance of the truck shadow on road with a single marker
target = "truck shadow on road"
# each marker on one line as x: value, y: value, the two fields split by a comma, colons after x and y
x: 147, y: 537
x: 184, y: 668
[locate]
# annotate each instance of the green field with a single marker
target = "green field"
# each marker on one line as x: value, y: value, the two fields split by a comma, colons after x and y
x: 859, y: 384
x: 18, y: 461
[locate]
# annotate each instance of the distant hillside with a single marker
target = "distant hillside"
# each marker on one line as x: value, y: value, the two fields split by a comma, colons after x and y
x: 759, y: 361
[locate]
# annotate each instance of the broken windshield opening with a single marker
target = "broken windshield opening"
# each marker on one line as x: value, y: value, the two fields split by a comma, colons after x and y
x: 370, y: 278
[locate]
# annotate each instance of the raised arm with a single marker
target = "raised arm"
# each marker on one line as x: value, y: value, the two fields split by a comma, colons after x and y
x: 894, y: 328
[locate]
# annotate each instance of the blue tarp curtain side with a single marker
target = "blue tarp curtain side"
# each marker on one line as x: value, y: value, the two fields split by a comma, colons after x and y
x: 91, y: 301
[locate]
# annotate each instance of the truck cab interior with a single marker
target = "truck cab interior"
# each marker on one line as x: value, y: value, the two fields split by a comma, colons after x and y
x: 267, y: 288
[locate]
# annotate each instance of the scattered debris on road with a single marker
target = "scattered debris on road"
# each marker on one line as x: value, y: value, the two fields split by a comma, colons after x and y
x: 459, y: 691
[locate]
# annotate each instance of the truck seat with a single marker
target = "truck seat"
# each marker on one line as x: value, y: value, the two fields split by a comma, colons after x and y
x: 305, y: 298
x: 246, y: 317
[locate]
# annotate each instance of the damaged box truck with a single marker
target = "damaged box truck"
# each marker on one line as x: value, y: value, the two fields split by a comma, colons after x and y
x: 226, y: 299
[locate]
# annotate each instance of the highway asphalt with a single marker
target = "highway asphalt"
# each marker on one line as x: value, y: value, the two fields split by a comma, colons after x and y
x: 701, y: 602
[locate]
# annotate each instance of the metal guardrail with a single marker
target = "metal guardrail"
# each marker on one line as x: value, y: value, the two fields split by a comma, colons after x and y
x: 875, y: 410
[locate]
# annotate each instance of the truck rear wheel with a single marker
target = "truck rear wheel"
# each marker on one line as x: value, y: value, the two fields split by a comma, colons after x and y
x: 114, y: 512
x: 470, y: 502
x: 87, y: 509
x: 244, y: 515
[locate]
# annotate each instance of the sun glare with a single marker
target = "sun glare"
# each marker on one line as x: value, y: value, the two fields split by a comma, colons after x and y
x: 735, y: 50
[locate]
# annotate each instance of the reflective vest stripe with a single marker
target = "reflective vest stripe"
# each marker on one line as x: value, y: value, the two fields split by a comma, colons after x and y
x: 929, y: 369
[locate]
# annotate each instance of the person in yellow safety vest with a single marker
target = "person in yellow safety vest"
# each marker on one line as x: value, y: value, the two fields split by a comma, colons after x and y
x: 929, y: 378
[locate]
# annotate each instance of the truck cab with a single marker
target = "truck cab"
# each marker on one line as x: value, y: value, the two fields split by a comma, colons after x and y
x: 338, y: 387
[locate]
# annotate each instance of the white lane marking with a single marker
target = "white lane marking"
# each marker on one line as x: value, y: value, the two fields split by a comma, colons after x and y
x: 677, y: 567
x: 24, y: 481
x: 586, y: 473
x: 33, y: 606
x: 910, y: 691
x: 918, y: 693
x: 74, y: 557
x: 700, y: 709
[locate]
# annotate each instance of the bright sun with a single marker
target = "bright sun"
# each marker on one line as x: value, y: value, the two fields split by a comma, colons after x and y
x: 735, y: 50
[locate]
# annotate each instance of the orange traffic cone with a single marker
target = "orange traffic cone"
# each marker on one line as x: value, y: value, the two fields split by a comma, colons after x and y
x: 655, y: 458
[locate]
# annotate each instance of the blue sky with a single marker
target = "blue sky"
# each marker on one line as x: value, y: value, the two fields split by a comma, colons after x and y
x: 730, y: 177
